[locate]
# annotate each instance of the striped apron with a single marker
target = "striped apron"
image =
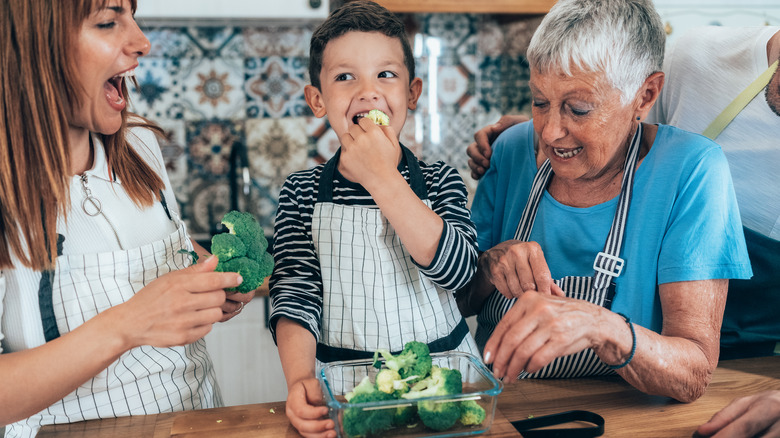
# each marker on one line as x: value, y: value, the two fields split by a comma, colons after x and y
x: 144, y: 380
x: 374, y: 296
x: 598, y: 289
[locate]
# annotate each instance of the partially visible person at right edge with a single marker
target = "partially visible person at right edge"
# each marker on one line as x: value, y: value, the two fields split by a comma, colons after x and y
x: 706, y: 69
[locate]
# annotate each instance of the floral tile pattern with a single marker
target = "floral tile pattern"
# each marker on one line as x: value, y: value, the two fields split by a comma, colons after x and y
x: 209, y: 145
x: 274, y: 87
x: 158, y: 93
x: 210, y: 86
x: 277, y: 148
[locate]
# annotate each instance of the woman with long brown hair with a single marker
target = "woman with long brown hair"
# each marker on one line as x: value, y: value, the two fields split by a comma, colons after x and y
x: 100, y: 315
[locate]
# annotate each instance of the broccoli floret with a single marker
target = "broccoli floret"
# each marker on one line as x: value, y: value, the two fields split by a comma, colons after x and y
x: 245, y: 226
x: 435, y: 414
x: 438, y: 415
x: 227, y: 246
x: 249, y: 270
x: 413, y: 360
x: 390, y: 381
x: 361, y: 422
x: 243, y: 250
x: 442, y: 381
x: 471, y: 413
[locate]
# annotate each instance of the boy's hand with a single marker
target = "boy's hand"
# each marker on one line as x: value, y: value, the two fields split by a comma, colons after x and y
x: 369, y: 153
x: 306, y: 412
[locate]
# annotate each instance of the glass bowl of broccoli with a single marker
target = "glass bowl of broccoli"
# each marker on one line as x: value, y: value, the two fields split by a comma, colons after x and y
x: 411, y: 393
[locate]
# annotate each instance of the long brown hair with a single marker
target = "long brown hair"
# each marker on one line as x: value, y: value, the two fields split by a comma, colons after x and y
x: 38, y: 84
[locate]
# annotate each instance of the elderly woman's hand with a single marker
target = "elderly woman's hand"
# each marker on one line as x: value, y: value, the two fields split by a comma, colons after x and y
x: 539, y: 328
x: 514, y: 267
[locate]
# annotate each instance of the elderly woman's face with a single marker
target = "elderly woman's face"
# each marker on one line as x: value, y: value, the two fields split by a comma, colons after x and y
x: 582, y: 126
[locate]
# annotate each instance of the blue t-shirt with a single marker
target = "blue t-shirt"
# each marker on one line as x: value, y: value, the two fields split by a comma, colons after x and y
x: 683, y: 222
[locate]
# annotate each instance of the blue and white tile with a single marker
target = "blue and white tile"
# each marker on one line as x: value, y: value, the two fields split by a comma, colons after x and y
x: 274, y: 87
x: 158, y: 95
x: 452, y: 29
x: 457, y: 131
x: 170, y: 42
x: 213, y: 89
x: 217, y: 41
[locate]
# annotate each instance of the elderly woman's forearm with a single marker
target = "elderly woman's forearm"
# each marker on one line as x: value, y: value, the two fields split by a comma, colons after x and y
x: 671, y: 367
x: 679, y: 361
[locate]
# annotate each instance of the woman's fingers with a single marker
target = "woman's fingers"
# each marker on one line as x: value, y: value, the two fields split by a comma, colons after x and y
x: 536, y: 330
x: 746, y: 416
x: 235, y: 303
x: 516, y: 267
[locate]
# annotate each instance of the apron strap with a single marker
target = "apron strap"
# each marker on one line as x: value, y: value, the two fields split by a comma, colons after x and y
x: 326, y: 353
x: 739, y: 103
x: 45, y: 304
x: 416, y: 180
x: 607, y: 264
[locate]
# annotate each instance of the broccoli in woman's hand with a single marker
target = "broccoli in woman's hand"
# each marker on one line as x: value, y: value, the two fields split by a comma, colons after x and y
x: 243, y: 250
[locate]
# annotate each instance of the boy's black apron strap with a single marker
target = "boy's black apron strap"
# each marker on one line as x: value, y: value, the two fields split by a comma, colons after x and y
x: 416, y: 179
x: 326, y: 353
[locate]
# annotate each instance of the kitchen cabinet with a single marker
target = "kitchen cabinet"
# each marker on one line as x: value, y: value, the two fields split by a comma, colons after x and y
x: 470, y: 6
x: 232, y: 9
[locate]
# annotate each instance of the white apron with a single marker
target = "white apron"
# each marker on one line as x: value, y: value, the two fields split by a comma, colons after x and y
x: 144, y: 380
x: 598, y: 289
x: 374, y: 296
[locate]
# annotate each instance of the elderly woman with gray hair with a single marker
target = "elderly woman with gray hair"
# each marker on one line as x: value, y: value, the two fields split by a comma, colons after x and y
x: 607, y: 243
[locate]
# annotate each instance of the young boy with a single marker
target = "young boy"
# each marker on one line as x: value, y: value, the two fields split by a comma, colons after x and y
x: 370, y: 246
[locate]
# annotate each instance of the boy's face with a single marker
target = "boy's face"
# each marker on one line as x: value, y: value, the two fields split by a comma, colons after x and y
x: 362, y: 71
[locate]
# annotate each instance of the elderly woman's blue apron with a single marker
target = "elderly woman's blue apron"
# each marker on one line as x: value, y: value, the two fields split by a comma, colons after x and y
x: 598, y: 289
x: 144, y: 380
x: 374, y: 296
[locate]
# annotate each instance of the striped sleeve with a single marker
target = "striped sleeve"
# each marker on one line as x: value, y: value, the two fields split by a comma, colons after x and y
x: 455, y: 260
x: 296, y: 281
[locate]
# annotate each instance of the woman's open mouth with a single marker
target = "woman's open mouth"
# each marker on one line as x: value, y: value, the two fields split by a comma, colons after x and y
x: 113, y: 90
x: 566, y: 153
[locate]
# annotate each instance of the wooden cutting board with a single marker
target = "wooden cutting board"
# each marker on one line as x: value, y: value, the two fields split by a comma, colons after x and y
x: 237, y: 422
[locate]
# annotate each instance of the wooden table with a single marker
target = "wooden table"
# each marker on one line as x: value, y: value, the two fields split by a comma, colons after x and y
x: 627, y: 412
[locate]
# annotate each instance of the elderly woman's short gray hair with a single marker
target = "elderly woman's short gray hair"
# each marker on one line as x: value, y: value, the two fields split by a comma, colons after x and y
x: 624, y: 39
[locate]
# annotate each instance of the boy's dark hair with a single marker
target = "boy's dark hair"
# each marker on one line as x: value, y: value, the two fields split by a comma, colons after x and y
x: 357, y: 16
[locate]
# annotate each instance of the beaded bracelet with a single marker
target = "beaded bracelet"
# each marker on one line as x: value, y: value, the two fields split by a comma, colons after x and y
x: 633, y: 345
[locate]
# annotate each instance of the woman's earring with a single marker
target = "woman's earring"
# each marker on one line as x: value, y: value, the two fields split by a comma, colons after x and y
x: 637, y: 117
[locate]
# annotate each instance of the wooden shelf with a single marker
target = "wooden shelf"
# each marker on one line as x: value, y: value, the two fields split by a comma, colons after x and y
x: 470, y: 6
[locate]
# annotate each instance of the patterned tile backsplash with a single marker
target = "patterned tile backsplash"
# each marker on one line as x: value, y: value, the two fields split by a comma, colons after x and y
x: 211, y: 87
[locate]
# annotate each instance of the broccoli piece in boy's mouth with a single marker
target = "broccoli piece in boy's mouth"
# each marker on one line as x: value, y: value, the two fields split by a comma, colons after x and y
x: 375, y: 115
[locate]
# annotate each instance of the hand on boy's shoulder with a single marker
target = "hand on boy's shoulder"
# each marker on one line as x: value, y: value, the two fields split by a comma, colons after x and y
x: 369, y: 153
